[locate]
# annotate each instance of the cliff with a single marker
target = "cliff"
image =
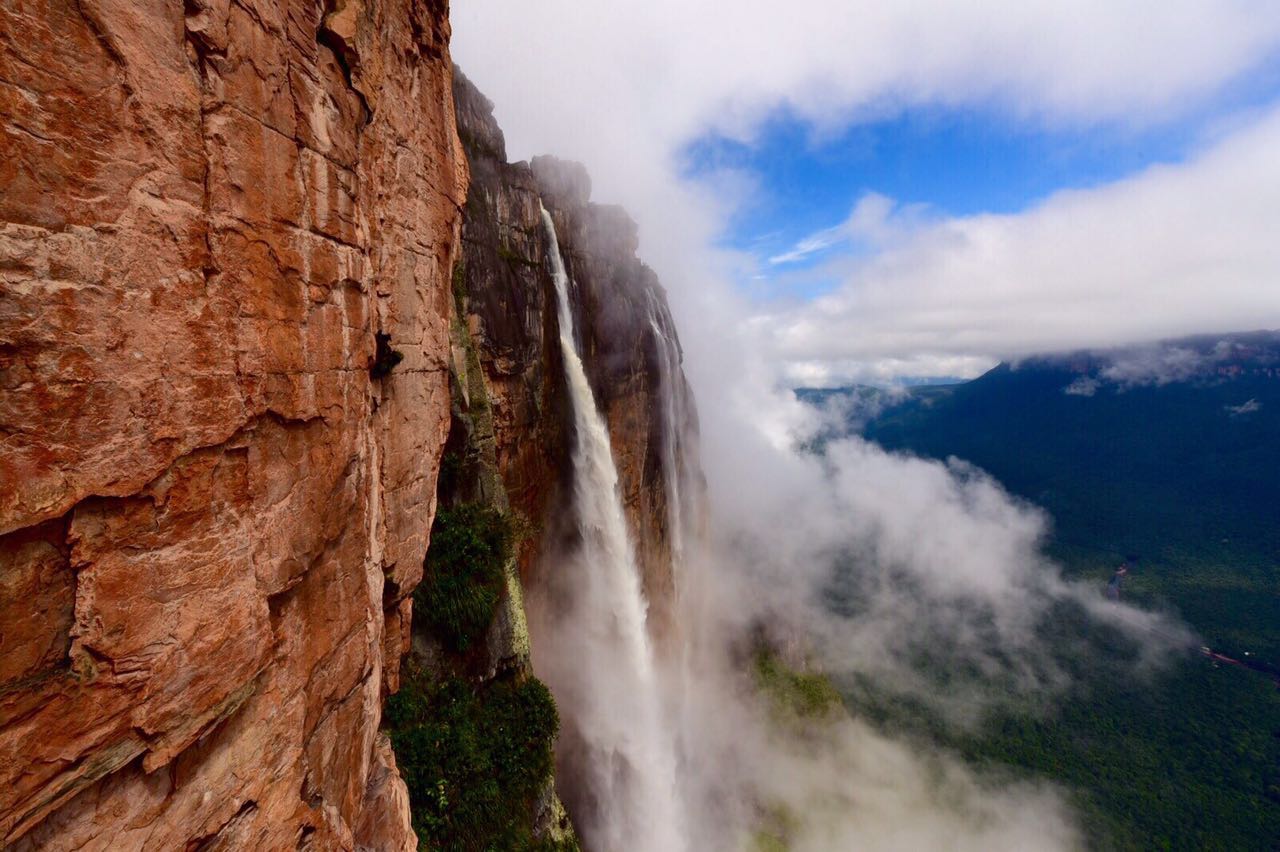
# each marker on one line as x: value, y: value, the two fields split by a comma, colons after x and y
x: 473, y: 727
x: 253, y: 327
x: 621, y: 314
x: 226, y: 236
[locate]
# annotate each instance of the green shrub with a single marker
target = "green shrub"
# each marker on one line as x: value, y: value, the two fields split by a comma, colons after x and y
x: 462, y: 576
x: 474, y: 760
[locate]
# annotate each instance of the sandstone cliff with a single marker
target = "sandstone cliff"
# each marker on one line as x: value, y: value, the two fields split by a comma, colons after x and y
x: 506, y: 475
x: 240, y: 315
x: 620, y: 310
x: 226, y: 233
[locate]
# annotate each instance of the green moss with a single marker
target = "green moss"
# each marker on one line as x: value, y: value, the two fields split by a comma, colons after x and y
x: 806, y: 695
x: 475, y: 759
x: 463, y: 574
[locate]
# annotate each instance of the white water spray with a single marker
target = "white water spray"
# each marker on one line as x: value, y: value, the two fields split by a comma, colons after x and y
x: 609, y: 677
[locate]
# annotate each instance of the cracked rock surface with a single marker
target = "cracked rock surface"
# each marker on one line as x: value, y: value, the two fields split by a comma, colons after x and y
x: 212, y: 510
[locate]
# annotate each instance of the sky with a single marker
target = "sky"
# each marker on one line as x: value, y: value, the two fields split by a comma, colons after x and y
x: 885, y: 191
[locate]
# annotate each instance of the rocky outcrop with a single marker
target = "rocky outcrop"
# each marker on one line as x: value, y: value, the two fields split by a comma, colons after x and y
x: 226, y: 232
x: 619, y: 310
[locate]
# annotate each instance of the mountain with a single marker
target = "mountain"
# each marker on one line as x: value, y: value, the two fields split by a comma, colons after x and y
x: 219, y: 222
x: 284, y: 426
x: 1164, y: 458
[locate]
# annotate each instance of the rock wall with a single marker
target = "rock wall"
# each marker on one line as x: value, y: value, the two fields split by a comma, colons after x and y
x: 226, y: 233
x: 511, y: 316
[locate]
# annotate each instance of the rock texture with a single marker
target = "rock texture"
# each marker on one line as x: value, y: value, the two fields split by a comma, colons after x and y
x: 221, y: 222
x: 619, y: 308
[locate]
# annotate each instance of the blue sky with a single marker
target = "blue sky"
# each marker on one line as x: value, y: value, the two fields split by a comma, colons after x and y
x: 951, y: 162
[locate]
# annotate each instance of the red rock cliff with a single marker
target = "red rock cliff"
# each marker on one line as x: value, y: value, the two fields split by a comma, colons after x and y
x: 214, y: 498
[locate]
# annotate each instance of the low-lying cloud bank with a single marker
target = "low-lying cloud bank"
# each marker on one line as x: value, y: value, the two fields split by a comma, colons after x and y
x: 899, y: 578
x: 902, y: 578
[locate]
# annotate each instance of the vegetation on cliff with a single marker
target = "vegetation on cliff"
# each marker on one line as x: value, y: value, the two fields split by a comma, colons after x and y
x: 473, y: 730
x: 463, y: 574
x: 476, y: 759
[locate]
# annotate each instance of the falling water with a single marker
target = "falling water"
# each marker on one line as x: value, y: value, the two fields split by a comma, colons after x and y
x: 614, y: 692
x: 675, y: 417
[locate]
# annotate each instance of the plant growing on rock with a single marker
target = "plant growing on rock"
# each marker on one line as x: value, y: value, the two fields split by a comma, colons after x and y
x: 462, y: 575
x: 475, y: 759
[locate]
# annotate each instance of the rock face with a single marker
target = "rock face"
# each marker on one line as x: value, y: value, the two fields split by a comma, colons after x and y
x: 226, y: 233
x: 619, y: 311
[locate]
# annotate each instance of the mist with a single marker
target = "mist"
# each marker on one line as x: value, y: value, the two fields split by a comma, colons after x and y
x: 899, y: 579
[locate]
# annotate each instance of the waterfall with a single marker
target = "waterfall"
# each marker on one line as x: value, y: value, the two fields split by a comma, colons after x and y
x: 675, y: 418
x: 607, y: 668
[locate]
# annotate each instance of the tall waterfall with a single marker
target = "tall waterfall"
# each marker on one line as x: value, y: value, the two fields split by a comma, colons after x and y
x: 609, y: 675
x: 675, y: 419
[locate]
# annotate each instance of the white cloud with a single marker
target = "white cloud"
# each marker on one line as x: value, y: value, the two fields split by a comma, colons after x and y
x: 670, y: 70
x: 623, y: 87
x: 1172, y: 251
x: 868, y: 224
x: 1083, y: 386
x: 811, y: 244
x: 1159, y: 365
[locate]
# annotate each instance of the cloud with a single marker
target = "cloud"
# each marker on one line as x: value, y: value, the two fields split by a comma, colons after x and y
x: 868, y: 224
x: 811, y: 244
x: 866, y: 562
x: 1158, y: 365
x: 1172, y: 251
x: 1167, y: 362
x: 1083, y: 386
x: 1248, y: 407
x: 624, y: 89
x: 670, y: 71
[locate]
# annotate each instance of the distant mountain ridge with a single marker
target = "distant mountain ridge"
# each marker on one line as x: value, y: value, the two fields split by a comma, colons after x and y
x: 1129, y: 449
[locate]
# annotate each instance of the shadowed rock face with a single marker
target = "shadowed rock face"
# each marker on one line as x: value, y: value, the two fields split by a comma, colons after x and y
x: 512, y: 318
x: 212, y: 510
